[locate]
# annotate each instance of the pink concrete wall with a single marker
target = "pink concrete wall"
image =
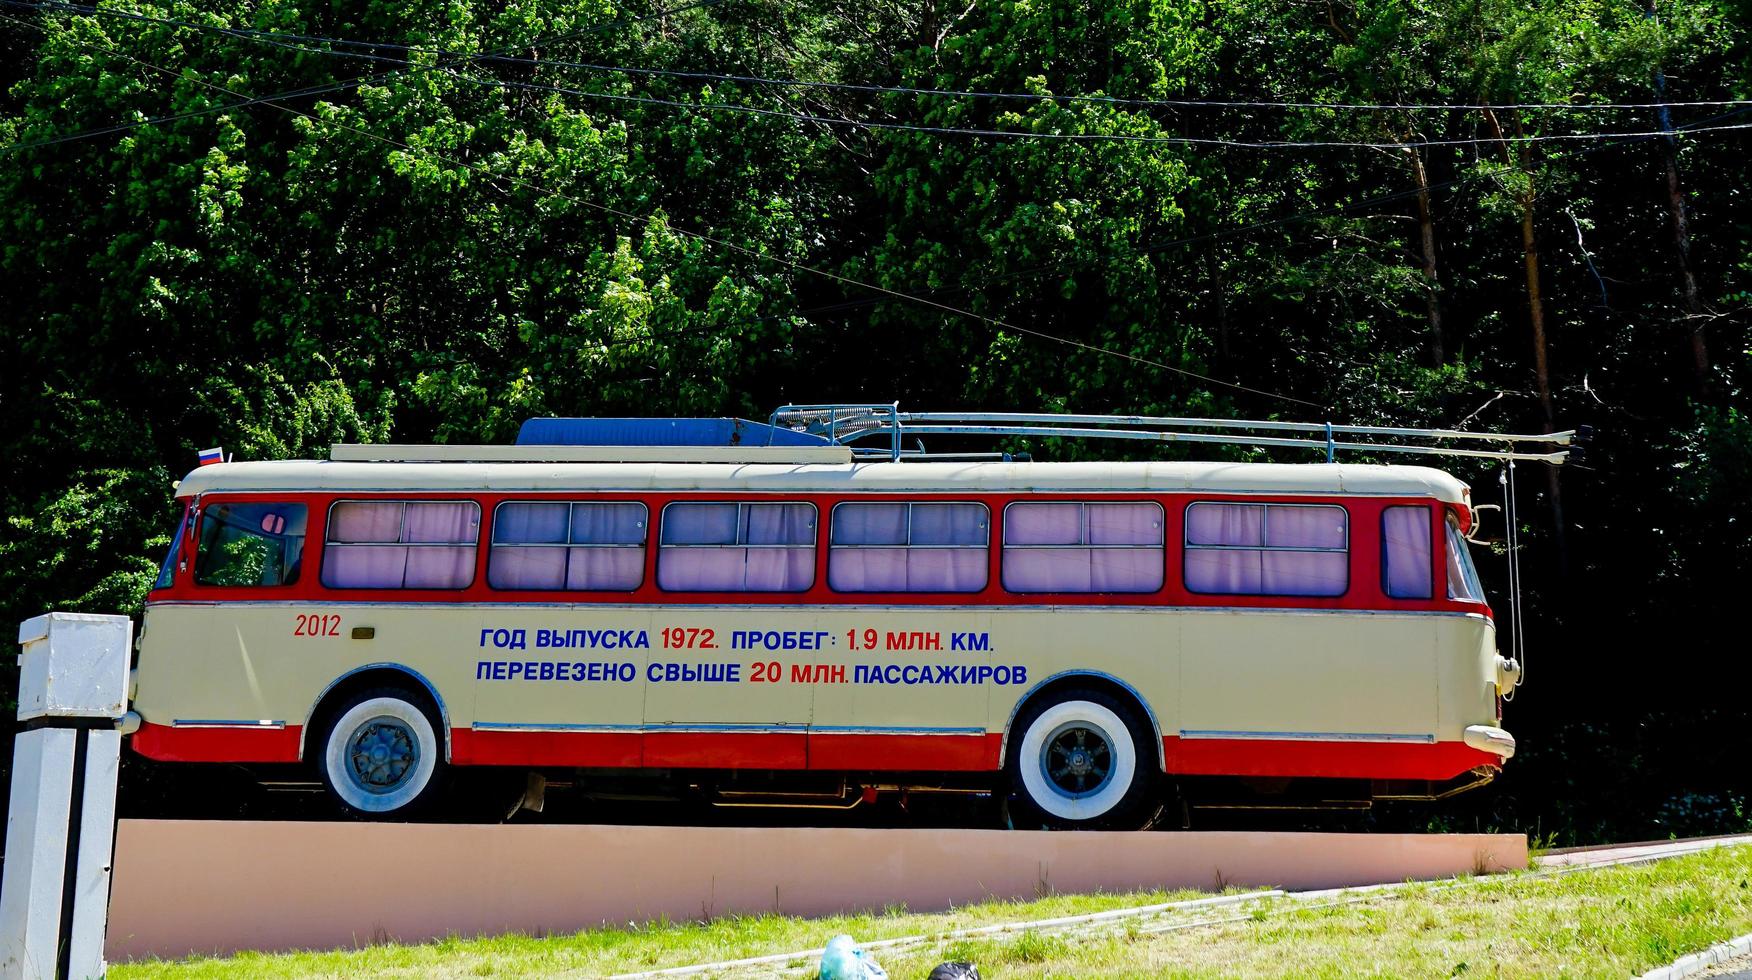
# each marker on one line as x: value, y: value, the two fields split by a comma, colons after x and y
x: 211, y: 886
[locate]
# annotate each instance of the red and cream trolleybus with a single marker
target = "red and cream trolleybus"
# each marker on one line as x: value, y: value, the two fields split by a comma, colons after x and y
x: 818, y: 602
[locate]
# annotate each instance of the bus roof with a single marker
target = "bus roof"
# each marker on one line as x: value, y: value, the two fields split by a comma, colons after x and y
x: 958, y: 477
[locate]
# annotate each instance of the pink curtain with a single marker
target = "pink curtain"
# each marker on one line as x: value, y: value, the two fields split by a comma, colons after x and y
x: 1132, y: 534
x: 1405, y: 533
x: 608, y: 523
x: 364, y: 566
x: 867, y: 569
x: 439, y: 567
x: 1304, y: 527
x: 1043, y: 524
x: 869, y: 524
x: 918, y: 568
x: 1304, y: 573
x: 365, y: 520
x: 701, y: 569
x: 1223, y: 572
x: 442, y: 522
x: 783, y: 562
x: 779, y: 524
x: 1046, y: 569
x: 948, y: 524
x: 906, y: 569
x: 700, y: 524
x: 779, y: 570
x: 1128, y: 523
x: 1126, y: 569
x: 1232, y: 525
x: 526, y: 568
x: 530, y: 523
x: 1241, y: 553
x: 605, y: 569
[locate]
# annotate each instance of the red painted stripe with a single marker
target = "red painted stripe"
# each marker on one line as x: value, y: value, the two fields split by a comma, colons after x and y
x: 1332, y: 760
x: 916, y: 753
x: 1364, y: 590
x: 726, y: 750
x: 837, y: 752
x: 609, y: 750
x: 167, y: 744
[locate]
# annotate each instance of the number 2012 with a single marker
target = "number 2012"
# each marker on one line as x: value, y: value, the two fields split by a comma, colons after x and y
x: 317, y: 624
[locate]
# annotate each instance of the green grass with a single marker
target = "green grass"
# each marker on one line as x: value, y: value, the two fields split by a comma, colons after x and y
x: 1615, y: 922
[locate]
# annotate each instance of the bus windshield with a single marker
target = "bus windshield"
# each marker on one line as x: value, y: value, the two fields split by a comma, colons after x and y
x: 250, y: 544
x: 1462, y: 576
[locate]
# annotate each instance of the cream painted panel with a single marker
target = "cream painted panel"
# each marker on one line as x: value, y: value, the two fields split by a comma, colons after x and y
x: 1262, y: 671
x: 1466, y: 668
x: 921, y: 705
x: 607, y: 699
x: 770, y: 700
x: 1136, y: 645
x: 242, y: 661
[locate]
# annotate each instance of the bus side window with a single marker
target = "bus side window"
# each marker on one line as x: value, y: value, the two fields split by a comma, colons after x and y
x: 736, y: 547
x: 401, y: 544
x: 1407, y: 571
x: 249, y: 544
x: 1267, y: 549
x: 1084, y: 547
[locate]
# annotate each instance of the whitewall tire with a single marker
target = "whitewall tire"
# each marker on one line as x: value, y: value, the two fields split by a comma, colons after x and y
x: 381, y: 755
x: 1083, y: 760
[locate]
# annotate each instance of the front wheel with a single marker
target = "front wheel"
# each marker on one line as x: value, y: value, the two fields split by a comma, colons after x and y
x: 381, y: 755
x: 1083, y: 761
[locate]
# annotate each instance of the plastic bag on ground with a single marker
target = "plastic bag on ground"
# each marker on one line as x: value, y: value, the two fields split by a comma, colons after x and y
x: 843, y: 960
x: 955, y: 971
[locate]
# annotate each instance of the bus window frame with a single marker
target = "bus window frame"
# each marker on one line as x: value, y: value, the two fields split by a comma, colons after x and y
x: 1350, y: 577
x: 817, y: 556
x: 645, y: 568
x: 196, y: 512
x: 1364, y: 594
x: 401, y: 528
x: 1084, y: 501
x: 909, y: 503
x: 1434, y: 515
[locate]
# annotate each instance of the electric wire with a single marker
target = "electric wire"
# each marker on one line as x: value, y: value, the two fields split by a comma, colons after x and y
x: 884, y: 125
x: 90, y: 10
x: 316, y: 90
x: 724, y: 243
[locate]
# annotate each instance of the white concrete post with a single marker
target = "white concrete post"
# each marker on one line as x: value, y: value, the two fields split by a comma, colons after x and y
x: 60, y: 828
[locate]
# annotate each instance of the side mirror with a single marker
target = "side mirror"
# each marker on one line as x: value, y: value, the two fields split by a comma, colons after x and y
x: 1476, y: 535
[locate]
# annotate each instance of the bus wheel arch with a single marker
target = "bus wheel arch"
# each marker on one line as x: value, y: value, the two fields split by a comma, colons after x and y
x: 379, y: 748
x: 347, y: 686
x: 1077, y: 756
x: 1054, y: 687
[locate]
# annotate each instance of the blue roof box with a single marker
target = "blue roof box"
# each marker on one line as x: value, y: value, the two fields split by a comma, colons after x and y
x: 660, y: 432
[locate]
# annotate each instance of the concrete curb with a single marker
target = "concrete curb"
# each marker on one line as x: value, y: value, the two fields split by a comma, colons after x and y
x: 1686, y: 966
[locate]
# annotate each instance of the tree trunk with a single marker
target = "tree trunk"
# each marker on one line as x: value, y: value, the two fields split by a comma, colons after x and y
x: 1432, y: 285
x: 1692, y: 302
x: 1525, y: 198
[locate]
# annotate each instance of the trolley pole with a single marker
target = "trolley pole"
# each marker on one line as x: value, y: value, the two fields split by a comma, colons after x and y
x: 60, y: 827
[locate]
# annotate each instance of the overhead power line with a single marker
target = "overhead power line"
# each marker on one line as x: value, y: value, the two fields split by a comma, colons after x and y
x: 702, y: 237
x: 368, y: 46
x: 316, y: 90
x: 866, y: 124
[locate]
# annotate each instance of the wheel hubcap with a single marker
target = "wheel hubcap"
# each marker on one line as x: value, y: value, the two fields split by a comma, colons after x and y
x: 1077, y: 759
x: 382, y: 755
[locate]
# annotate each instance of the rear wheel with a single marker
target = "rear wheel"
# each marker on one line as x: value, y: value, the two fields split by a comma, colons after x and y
x: 381, y: 757
x: 1083, y: 760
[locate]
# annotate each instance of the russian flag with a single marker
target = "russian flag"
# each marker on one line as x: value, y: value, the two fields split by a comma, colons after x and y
x: 214, y: 455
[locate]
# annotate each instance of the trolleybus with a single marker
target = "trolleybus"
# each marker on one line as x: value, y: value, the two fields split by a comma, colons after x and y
x: 773, y: 608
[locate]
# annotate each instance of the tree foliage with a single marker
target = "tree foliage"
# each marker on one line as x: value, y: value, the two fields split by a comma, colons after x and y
x: 446, y: 245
